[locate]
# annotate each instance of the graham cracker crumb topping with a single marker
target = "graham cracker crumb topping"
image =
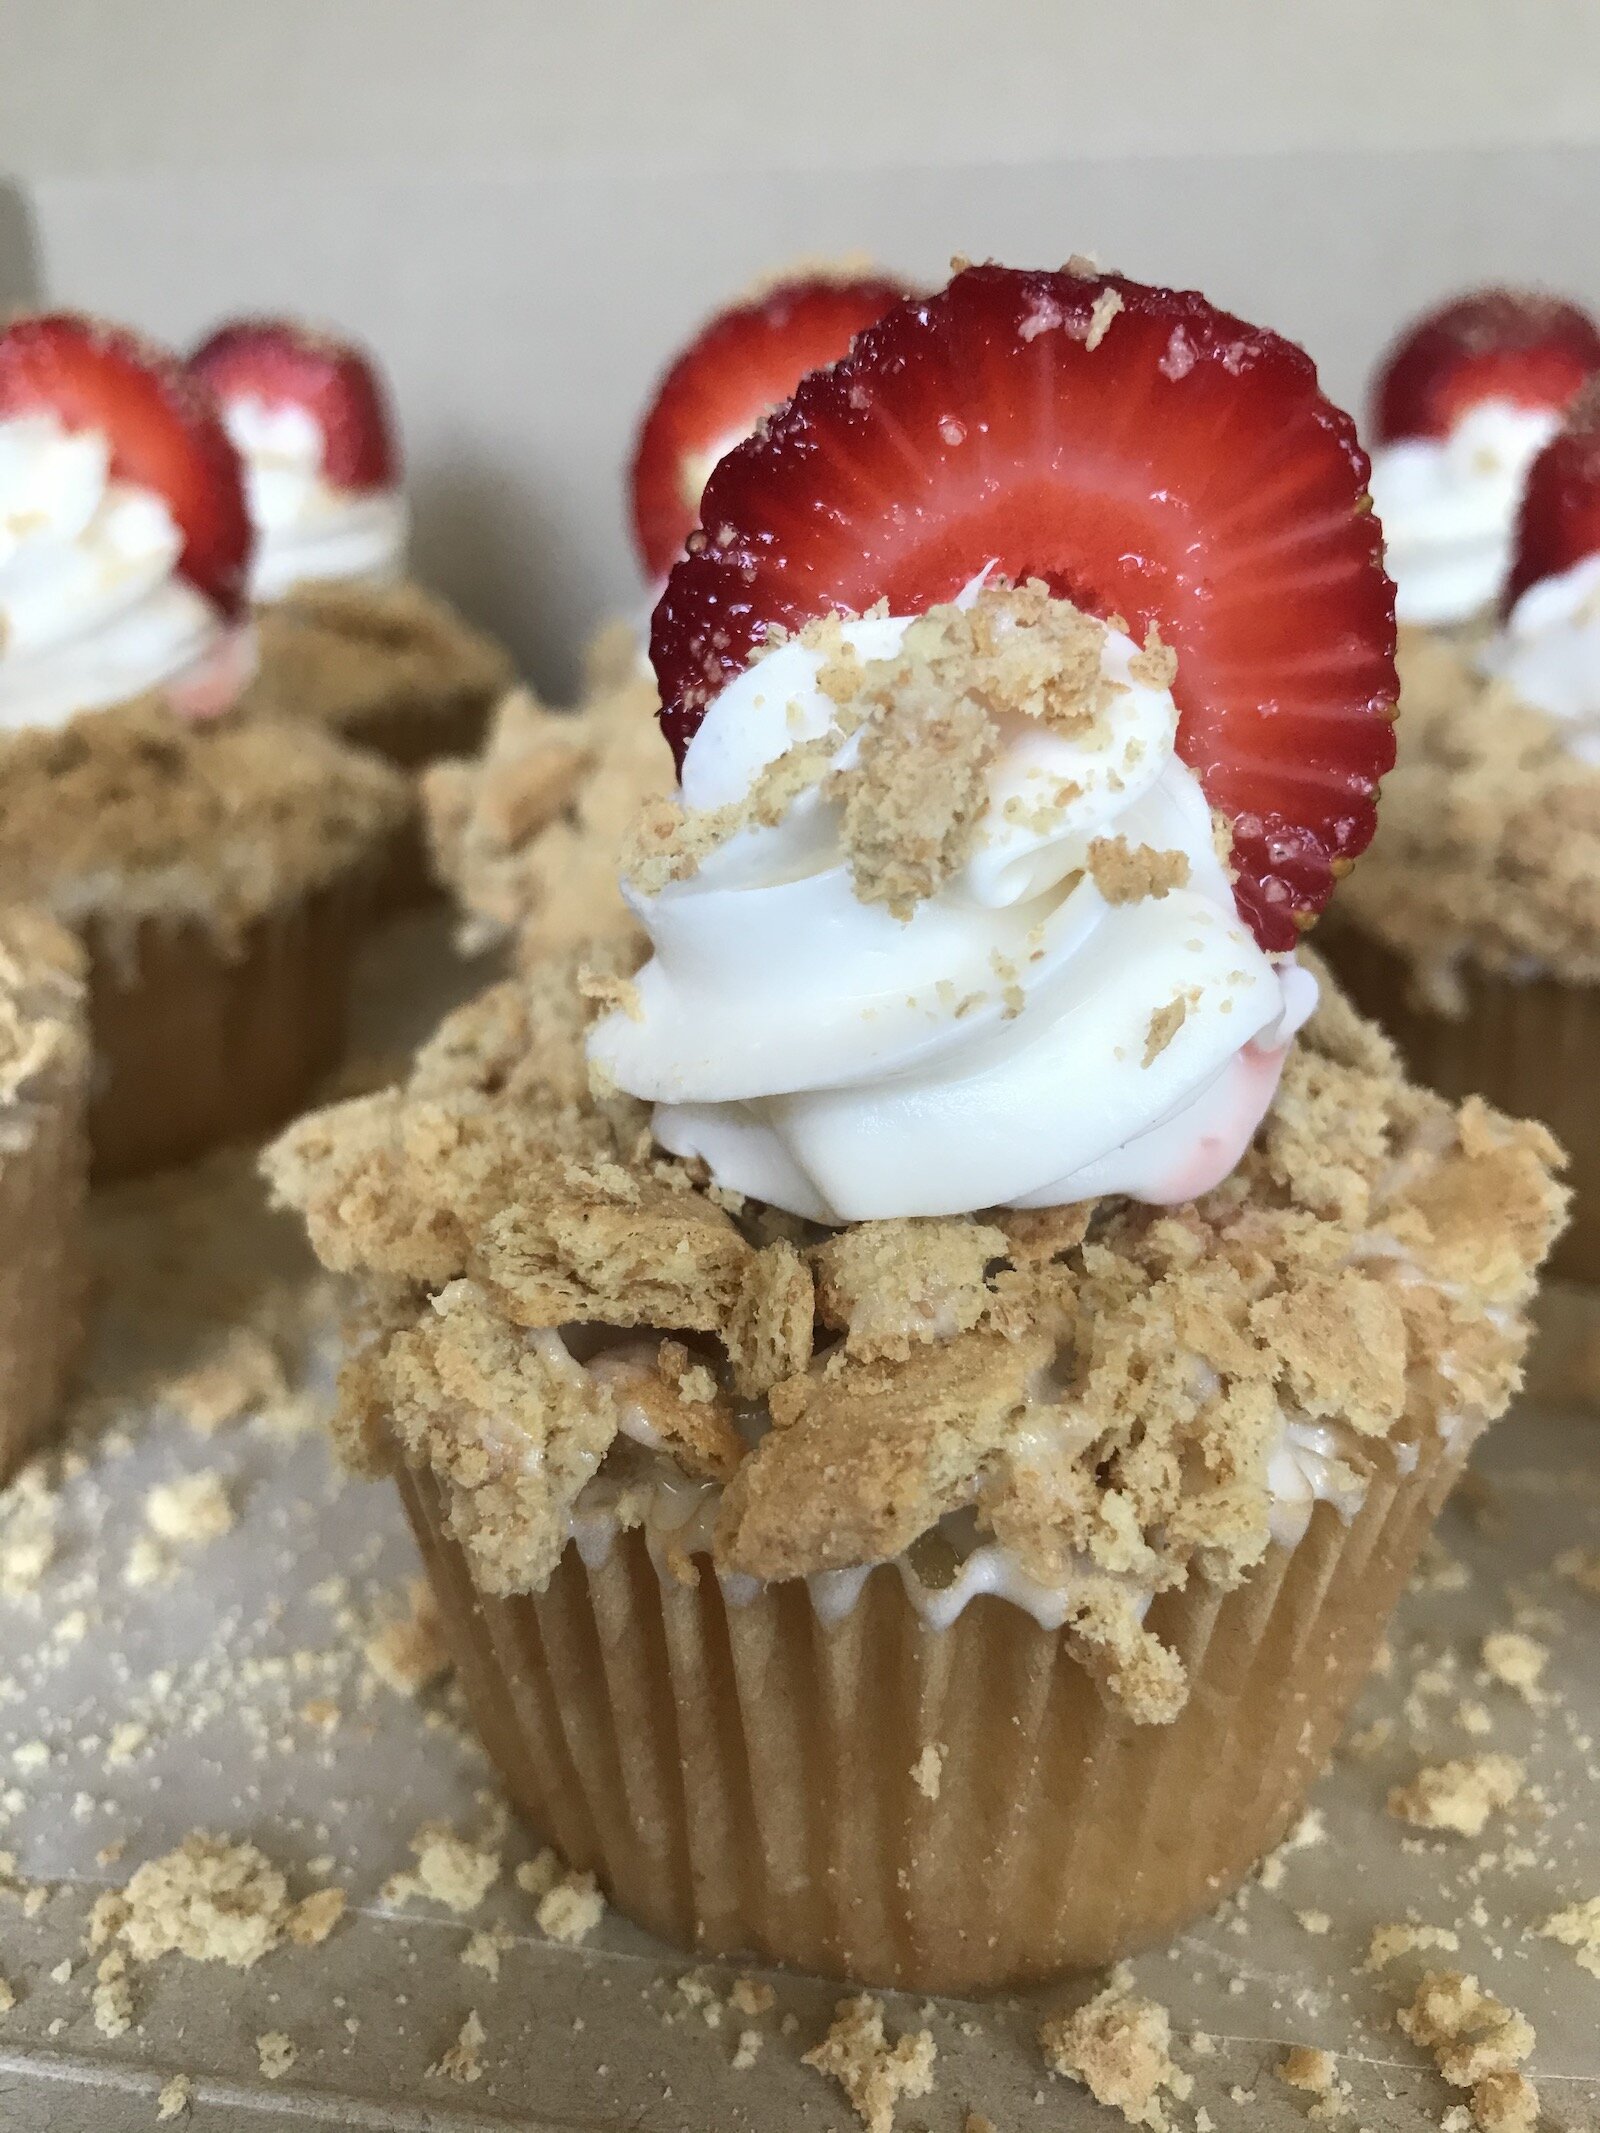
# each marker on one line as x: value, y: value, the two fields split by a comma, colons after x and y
x: 873, y: 2073
x: 1119, y: 2047
x: 1101, y: 1388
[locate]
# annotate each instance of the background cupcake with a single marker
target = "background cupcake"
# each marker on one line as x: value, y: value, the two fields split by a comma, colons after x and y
x: 216, y: 872
x: 918, y: 1499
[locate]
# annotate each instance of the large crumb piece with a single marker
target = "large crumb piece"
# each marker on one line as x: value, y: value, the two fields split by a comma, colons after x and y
x: 111, y: 2001
x: 210, y: 1900
x: 1119, y: 2047
x: 275, y: 2054
x: 1578, y: 1928
x: 1514, y: 1660
x: 450, y: 1869
x: 1305, y: 2066
x: 461, y: 2062
x: 175, y: 2098
x: 1470, y: 2033
x: 190, y: 1511
x: 1459, y: 1795
x: 873, y: 2073
x: 570, y: 1911
x: 1505, y: 2102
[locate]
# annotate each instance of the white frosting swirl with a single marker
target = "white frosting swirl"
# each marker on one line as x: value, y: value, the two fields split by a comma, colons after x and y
x: 1448, y: 508
x: 1549, y: 651
x: 997, y: 1047
x: 92, y: 609
x: 305, y: 527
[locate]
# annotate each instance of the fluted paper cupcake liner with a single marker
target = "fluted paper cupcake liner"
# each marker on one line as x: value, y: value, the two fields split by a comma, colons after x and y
x: 1529, y: 1046
x: 200, y: 1040
x: 751, y: 1778
x: 43, y: 1180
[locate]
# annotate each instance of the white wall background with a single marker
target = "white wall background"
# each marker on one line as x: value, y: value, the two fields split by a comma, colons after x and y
x: 526, y: 206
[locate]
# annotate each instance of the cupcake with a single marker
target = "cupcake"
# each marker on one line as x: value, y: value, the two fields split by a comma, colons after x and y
x: 919, y: 1379
x: 1463, y: 402
x: 348, y: 641
x: 527, y: 836
x: 1473, y: 928
x: 215, y: 870
x: 44, y: 1167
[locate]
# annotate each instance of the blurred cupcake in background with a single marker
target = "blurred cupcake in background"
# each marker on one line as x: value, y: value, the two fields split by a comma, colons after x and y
x: 216, y: 868
x: 1472, y: 929
x: 348, y: 639
x: 528, y: 835
x: 1462, y: 403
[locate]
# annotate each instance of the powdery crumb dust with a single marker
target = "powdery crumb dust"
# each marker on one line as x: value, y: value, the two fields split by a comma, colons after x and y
x: 874, y: 2073
x: 1119, y: 2046
x: 275, y: 2054
x: 1459, y: 1795
x: 461, y: 2062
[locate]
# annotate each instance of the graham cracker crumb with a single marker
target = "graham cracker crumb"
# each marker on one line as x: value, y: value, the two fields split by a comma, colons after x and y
x: 1470, y: 2033
x: 1104, y: 309
x: 450, y: 1869
x: 485, y: 1948
x: 275, y: 2054
x: 1505, y: 2103
x: 314, y: 1917
x: 1304, y: 2066
x: 1514, y: 1660
x: 1126, y: 873
x: 927, y: 1772
x: 1389, y: 1943
x: 1165, y: 1024
x: 1578, y: 1928
x: 976, y: 2122
x: 190, y: 1512
x: 1118, y: 2046
x: 539, y: 1875
x: 209, y: 1900
x: 752, y: 1996
x: 111, y: 2001
x: 408, y: 1654
x: 461, y: 2061
x: 1459, y: 1795
x: 174, y: 2099
x: 571, y: 1910
x: 746, y: 2050
x: 873, y: 2073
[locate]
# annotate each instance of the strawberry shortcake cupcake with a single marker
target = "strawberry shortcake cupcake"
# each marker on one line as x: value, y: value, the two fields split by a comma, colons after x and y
x: 920, y: 1376
x: 348, y: 640
x: 1462, y: 403
x: 527, y: 836
x: 215, y: 869
x: 1473, y: 928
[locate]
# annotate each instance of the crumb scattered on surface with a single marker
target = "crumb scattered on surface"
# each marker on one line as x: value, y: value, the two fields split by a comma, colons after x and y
x: 927, y: 1772
x: 275, y: 2054
x: 874, y: 2073
x: 461, y: 2061
x: 190, y: 1511
x: 175, y: 2098
x: 450, y: 1869
x: 1119, y: 2046
x: 1578, y: 1928
x: 1459, y: 1795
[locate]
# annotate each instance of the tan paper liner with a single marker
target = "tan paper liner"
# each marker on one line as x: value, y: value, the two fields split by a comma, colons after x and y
x: 43, y: 1185
x: 198, y: 1041
x: 740, y: 1777
x: 1529, y: 1047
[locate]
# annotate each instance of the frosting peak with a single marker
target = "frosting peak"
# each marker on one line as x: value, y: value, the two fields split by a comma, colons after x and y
x: 92, y: 607
x: 940, y: 924
x: 306, y: 526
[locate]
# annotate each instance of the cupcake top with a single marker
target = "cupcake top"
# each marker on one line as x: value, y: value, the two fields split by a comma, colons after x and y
x: 1463, y: 402
x: 123, y: 536
x: 311, y: 421
x: 134, y: 812
x: 1490, y: 846
x: 42, y: 1013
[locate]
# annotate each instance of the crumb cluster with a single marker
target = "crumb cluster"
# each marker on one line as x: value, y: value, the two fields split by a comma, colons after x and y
x: 1105, y: 1384
x: 1118, y: 2046
x: 134, y: 812
x: 528, y: 836
x: 1488, y: 844
x: 41, y: 1012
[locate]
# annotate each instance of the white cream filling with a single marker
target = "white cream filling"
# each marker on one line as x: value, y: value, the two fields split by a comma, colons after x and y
x: 1448, y: 508
x: 995, y: 1048
x: 306, y: 528
x: 92, y: 609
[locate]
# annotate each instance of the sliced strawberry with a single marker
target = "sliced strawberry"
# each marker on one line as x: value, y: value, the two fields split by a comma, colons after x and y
x: 741, y: 366
x: 161, y: 424
x: 284, y: 364
x: 1185, y: 471
x: 1494, y: 344
x: 1559, y: 524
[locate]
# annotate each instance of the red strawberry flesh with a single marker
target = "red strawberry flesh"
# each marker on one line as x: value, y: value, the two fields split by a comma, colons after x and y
x: 1185, y: 473
x: 1559, y: 524
x: 740, y: 366
x: 1516, y: 345
x: 161, y: 424
x: 284, y: 364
